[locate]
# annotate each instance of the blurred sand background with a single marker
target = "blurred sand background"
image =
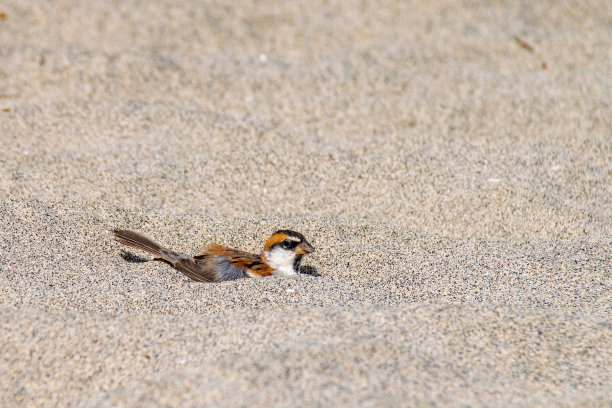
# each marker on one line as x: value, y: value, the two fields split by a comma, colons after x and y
x: 456, y: 183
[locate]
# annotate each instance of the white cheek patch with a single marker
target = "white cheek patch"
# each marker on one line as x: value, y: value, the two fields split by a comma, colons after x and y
x: 281, y: 261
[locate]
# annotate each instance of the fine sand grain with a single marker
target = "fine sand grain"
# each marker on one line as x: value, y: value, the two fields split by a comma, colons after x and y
x: 451, y: 163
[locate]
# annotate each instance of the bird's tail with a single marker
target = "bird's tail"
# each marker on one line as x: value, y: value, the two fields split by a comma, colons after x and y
x: 137, y: 240
x: 184, y: 263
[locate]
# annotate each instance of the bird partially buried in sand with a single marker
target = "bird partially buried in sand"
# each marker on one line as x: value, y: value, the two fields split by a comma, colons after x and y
x: 281, y: 256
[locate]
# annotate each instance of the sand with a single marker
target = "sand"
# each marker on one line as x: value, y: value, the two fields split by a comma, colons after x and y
x: 450, y: 161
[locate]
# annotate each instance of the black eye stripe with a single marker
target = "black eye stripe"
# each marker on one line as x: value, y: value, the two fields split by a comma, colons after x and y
x: 289, y: 243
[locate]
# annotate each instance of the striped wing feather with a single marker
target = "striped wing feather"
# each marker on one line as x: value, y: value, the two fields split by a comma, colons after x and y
x: 233, y: 264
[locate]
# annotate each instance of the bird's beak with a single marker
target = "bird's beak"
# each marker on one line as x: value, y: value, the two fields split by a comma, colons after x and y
x: 304, y: 248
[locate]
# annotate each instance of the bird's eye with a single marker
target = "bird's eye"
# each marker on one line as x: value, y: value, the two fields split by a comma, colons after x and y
x: 288, y: 244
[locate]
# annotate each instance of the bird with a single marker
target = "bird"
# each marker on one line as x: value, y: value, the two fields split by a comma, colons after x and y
x: 281, y: 256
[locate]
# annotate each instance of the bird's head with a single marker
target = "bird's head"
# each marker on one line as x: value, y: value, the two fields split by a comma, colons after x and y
x: 284, y: 250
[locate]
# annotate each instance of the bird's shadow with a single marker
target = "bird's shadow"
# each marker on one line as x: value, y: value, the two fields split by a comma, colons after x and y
x: 309, y: 270
x: 131, y: 258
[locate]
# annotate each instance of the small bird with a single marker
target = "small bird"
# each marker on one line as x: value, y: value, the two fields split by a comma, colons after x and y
x: 282, y: 255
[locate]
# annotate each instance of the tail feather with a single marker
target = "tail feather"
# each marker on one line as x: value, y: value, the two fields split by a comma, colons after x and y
x: 137, y: 240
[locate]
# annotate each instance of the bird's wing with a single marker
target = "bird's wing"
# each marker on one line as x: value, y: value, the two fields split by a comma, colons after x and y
x: 232, y: 264
x: 196, y: 270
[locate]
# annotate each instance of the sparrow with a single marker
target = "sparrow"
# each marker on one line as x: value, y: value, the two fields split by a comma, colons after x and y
x: 282, y: 255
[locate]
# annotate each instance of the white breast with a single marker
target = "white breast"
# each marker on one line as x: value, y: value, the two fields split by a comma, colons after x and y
x: 281, y: 260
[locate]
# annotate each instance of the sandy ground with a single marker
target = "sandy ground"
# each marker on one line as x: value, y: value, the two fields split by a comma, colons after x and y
x: 456, y: 182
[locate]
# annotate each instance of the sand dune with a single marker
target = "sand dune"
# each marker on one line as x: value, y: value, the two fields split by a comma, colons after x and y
x: 456, y: 182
